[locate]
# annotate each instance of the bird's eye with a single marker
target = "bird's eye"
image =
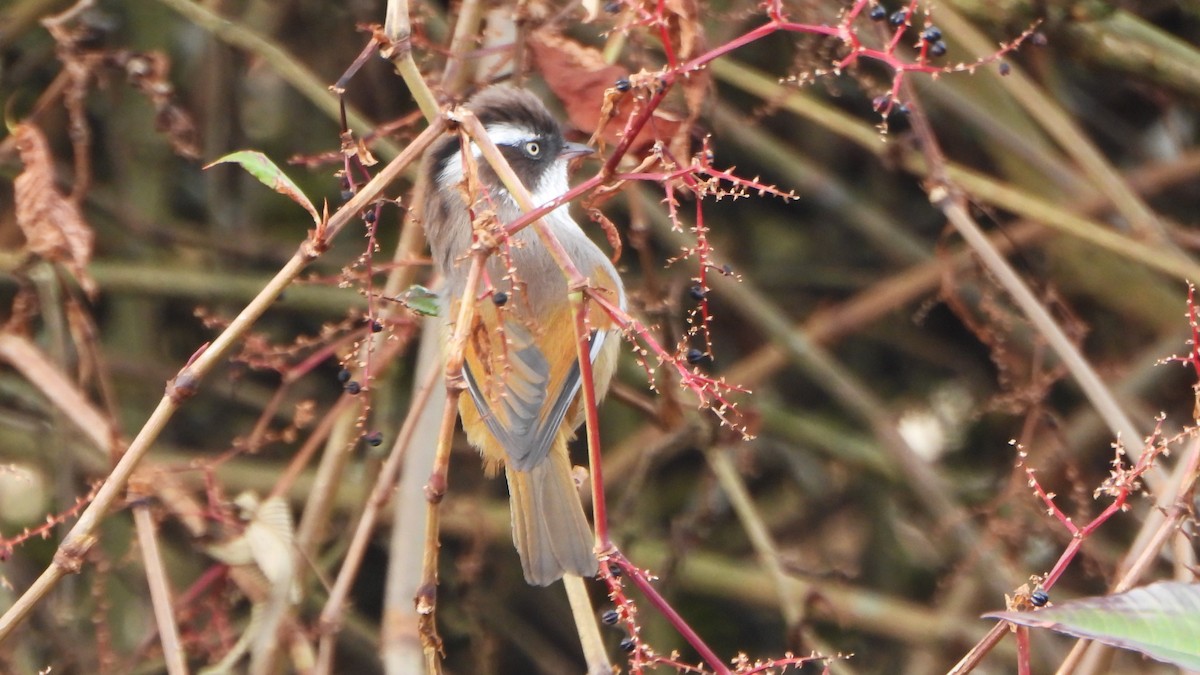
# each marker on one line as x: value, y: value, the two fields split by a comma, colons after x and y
x: 533, y: 148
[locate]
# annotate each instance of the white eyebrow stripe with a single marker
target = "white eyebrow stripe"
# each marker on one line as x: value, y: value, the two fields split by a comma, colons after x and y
x: 508, y: 134
x: 501, y: 133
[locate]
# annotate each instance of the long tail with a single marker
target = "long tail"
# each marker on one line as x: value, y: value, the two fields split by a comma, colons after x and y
x: 549, y: 529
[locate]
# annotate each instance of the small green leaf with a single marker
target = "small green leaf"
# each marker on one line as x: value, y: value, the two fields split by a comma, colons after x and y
x: 420, y: 300
x: 261, y: 167
x: 1161, y: 620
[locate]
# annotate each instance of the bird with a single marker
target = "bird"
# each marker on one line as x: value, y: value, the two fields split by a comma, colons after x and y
x: 521, y: 369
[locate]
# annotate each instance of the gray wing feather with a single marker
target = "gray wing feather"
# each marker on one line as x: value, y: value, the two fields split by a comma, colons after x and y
x: 529, y: 434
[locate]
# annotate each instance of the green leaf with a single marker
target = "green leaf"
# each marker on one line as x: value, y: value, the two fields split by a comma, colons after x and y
x: 420, y: 300
x: 261, y: 167
x: 1161, y: 620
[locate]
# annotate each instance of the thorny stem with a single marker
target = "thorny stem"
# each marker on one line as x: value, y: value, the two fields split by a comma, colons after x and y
x: 1173, y: 504
x: 660, y: 603
x: 80, y: 539
x: 435, y: 489
x: 583, y: 348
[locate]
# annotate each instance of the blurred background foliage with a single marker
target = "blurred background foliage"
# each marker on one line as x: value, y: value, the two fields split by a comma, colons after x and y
x: 857, y: 312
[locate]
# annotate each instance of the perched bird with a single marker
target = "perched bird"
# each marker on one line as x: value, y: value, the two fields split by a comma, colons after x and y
x: 521, y: 369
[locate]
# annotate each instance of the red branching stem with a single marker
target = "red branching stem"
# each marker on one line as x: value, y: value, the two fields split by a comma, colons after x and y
x: 711, y: 392
x: 1194, y: 352
x: 664, y: 35
x: 583, y: 350
x: 660, y: 603
x: 1119, y: 485
x: 634, y: 126
x: 703, y: 249
x: 1023, y: 653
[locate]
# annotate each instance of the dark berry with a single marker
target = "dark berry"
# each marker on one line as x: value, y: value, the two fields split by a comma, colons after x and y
x: 353, y: 387
x: 697, y: 293
x: 1038, y: 39
x: 1005, y: 69
x: 931, y: 34
x: 898, y: 17
x: 694, y: 356
x: 610, y: 617
x: 727, y: 269
x: 374, y: 439
x: 623, y: 84
x: 1039, y: 598
x: 628, y: 644
x: 343, y: 376
x: 612, y: 7
x: 614, y: 569
x: 938, y: 48
x: 347, y: 195
x: 878, y: 13
x: 369, y: 216
x: 376, y: 326
x: 499, y: 298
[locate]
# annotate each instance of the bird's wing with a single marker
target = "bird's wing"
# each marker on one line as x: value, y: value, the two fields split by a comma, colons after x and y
x: 528, y: 408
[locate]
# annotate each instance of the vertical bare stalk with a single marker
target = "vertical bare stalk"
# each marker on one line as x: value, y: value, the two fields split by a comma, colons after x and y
x: 946, y: 196
x: 380, y: 495
x: 398, y: 28
x: 585, y: 620
x: 276, y: 614
x: 456, y: 73
x: 756, y: 530
x: 160, y: 592
x: 400, y: 648
x: 435, y: 489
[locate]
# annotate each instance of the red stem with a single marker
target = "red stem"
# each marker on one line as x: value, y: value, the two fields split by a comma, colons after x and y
x: 1023, y: 654
x: 660, y: 603
x: 583, y: 348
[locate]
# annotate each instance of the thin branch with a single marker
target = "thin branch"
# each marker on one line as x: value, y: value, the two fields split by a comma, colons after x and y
x: 397, y: 28
x: 385, y: 484
x: 160, y: 592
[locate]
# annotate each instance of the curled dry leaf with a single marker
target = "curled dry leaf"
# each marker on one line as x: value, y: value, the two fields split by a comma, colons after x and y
x: 579, y: 77
x: 53, y: 226
x: 610, y: 232
x: 149, y: 73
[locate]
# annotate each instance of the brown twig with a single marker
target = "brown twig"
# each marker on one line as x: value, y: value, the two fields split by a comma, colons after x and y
x: 160, y: 592
x: 435, y: 489
x: 380, y: 495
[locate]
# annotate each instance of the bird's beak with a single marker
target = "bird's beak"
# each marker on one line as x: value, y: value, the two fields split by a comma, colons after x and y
x: 572, y: 150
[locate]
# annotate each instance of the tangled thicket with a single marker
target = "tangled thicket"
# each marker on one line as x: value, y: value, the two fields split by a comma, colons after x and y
x: 866, y: 244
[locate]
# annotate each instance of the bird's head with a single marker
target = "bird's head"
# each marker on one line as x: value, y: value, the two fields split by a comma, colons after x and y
x: 527, y: 135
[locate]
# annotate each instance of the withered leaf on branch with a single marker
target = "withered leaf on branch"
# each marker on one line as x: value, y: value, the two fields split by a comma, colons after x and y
x: 579, y: 76
x: 53, y: 226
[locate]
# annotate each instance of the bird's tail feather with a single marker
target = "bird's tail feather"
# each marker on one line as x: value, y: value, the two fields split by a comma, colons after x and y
x: 550, y: 531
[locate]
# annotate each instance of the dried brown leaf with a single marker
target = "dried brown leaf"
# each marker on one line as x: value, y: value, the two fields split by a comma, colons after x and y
x: 579, y: 77
x: 53, y: 226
